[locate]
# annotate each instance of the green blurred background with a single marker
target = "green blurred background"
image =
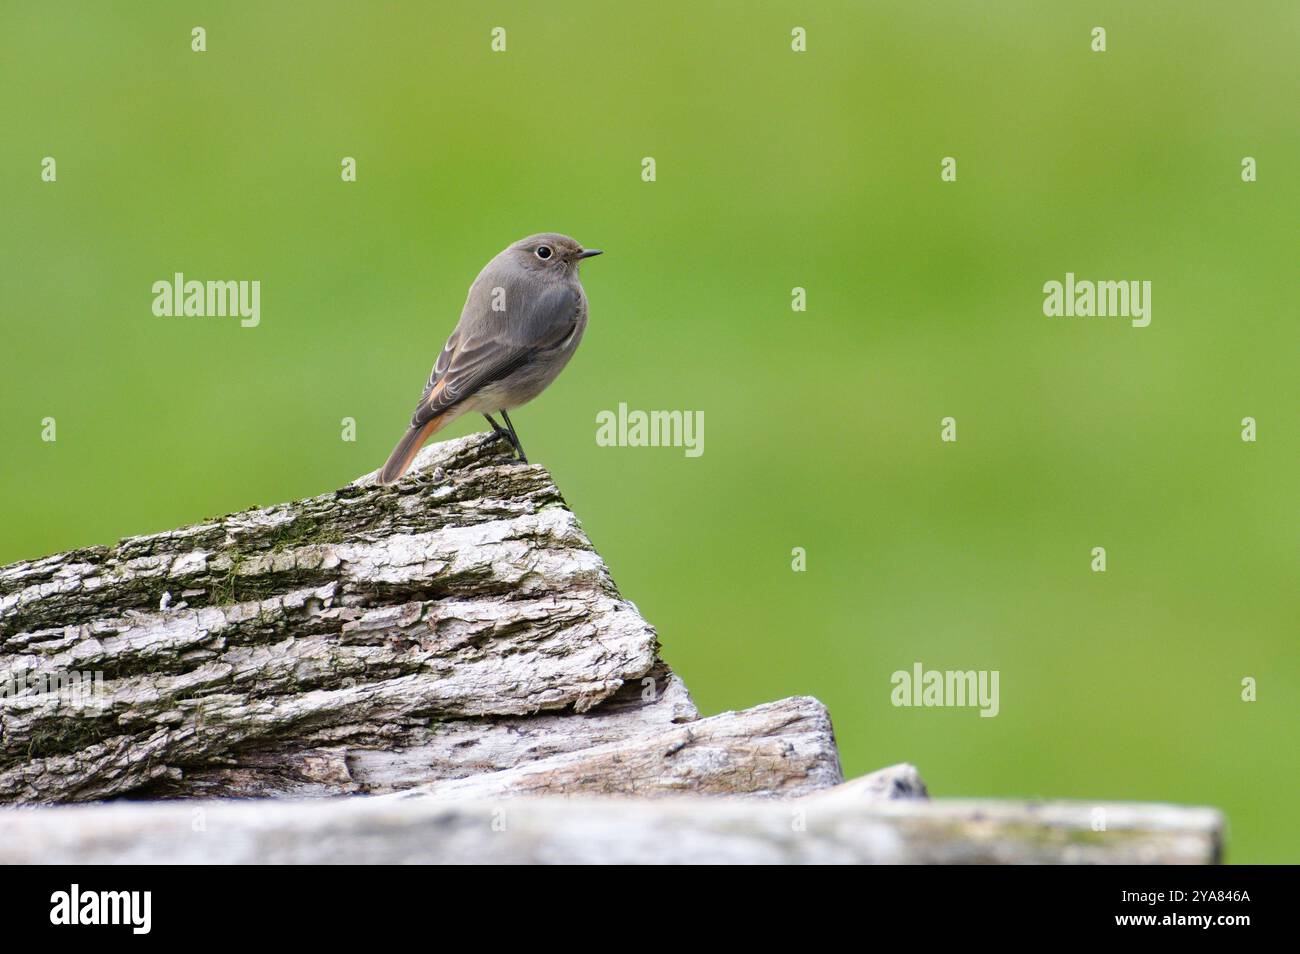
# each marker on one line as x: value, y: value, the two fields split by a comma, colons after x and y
x: 775, y: 170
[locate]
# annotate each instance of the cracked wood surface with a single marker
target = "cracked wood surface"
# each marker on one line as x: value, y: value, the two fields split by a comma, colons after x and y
x: 378, y: 759
x: 781, y: 749
x: 367, y: 639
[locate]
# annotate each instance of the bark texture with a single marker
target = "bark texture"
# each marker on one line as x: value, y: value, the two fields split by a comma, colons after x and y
x: 365, y: 640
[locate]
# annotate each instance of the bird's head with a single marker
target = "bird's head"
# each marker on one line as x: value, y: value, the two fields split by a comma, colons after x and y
x: 550, y: 252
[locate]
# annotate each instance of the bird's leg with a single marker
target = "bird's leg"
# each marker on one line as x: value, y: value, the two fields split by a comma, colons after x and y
x: 498, y: 432
x: 514, y: 438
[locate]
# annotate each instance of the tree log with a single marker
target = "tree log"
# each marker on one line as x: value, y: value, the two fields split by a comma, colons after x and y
x: 818, y: 828
x: 453, y: 654
x: 782, y: 749
x: 365, y: 640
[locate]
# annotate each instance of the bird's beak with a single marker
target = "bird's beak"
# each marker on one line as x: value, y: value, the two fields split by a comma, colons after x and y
x: 589, y: 252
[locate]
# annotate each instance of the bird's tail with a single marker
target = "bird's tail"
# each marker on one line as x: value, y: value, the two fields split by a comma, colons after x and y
x: 408, y: 447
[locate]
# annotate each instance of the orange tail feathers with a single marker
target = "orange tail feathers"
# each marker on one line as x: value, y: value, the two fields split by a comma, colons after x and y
x: 400, y: 459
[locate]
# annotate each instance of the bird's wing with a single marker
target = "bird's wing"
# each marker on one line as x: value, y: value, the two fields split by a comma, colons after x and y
x: 486, y: 347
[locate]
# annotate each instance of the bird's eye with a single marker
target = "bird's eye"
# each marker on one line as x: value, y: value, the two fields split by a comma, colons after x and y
x: 543, y: 252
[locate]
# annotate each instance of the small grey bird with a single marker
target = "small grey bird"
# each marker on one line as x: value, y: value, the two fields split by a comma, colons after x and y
x: 522, y: 321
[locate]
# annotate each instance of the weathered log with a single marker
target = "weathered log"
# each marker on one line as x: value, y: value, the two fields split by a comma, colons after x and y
x: 781, y: 749
x: 679, y: 829
x: 366, y: 640
x: 451, y: 653
x: 402, y: 756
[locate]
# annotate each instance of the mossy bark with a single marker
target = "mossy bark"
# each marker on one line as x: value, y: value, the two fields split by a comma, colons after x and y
x: 258, y: 653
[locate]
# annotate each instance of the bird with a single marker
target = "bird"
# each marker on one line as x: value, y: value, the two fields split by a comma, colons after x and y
x: 523, y: 319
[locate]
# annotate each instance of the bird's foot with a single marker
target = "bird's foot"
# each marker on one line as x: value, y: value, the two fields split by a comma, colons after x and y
x: 495, y: 436
x: 500, y: 433
x: 514, y: 438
